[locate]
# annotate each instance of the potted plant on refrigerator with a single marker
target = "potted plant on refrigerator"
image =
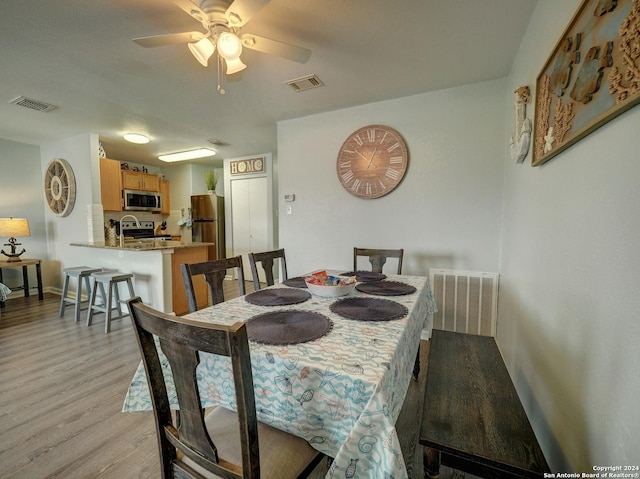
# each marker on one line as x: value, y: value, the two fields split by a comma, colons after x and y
x: 211, y: 180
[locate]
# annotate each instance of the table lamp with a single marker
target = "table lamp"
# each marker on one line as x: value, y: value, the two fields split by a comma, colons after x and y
x: 13, y: 227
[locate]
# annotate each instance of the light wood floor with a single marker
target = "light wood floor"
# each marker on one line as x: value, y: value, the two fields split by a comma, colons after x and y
x: 62, y: 388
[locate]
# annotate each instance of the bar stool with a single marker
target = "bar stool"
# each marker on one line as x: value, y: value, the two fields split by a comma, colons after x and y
x: 107, y: 282
x: 81, y: 273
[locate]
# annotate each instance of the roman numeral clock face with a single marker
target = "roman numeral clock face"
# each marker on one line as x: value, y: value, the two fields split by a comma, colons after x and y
x: 372, y: 161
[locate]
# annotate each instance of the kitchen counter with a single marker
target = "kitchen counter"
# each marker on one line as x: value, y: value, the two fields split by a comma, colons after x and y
x: 154, y: 263
x: 144, y: 245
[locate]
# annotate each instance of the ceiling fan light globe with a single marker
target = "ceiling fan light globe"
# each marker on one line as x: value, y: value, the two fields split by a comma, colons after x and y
x: 229, y: 46
x: 202, y: 50
x: 234, y: 65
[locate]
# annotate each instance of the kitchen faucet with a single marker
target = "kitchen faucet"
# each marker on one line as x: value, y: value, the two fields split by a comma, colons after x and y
x: 122, y: 232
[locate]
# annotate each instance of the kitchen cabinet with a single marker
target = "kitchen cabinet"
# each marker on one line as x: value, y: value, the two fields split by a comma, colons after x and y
x: 110, y: 185
x: 166, y: 197
x: 188, y: 255
x: 113, y: 180
x: 136, y: 180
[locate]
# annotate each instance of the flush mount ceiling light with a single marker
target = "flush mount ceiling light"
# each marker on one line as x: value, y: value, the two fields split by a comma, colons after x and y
x: 137, y: 138
x: 187, y: 155
x: 222, y: 21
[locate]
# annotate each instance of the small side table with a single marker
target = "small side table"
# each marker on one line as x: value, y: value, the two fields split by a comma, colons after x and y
x: 25, y: 274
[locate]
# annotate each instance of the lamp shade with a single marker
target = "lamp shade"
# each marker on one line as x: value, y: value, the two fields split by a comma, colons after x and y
x: 14, y: 227
x: 202, y: 50
x: 234, y: 65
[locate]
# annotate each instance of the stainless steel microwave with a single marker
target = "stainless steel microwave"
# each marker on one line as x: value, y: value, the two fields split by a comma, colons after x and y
x: 142, y: 200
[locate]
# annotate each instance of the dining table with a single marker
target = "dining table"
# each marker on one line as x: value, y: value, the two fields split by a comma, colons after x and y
x: 338, y: 379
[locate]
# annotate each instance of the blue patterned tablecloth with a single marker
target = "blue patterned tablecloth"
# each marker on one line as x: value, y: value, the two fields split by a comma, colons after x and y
x: 342, y: 392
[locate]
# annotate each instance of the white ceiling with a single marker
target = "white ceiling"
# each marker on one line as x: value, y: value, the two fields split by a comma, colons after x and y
x: 79, y: 55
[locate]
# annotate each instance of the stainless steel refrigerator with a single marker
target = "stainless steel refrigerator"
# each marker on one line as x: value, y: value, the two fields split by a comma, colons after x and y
x: 207, y: 222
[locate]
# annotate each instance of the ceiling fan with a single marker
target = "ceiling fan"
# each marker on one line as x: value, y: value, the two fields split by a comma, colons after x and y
x: 222, y: 21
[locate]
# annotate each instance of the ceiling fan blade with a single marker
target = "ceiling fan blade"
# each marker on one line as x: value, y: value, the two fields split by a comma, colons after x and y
x: 241, y: 11
x: 169, y: 39
x: 192, y: 9
x: 274, y: 47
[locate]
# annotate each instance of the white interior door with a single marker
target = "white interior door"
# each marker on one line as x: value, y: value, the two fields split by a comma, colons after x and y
x: 250, y: 218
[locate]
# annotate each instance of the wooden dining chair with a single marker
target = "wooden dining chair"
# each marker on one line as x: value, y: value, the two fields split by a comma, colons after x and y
x: 378, y: 257
x: 266, y: 259
x: 222, y: 443
x: 214, y: 273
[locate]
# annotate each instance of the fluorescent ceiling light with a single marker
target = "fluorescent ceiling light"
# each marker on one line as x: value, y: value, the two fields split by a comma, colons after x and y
x: 138, y: 138
x: 188, y: 155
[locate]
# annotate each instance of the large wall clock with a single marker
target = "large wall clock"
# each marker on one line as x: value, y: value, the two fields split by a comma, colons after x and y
x: 60, y: 187
x: 372, y: 161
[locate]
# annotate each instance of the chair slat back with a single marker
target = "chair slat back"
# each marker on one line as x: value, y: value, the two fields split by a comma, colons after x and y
x: 378, y: 257
x: 266, y: 259
x: 214, y: 273
x: 180, y: 340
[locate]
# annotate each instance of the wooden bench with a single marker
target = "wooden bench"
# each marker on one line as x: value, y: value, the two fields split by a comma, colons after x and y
x: 473, y: 420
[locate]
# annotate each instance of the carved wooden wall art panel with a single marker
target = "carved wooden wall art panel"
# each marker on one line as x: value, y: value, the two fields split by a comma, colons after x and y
x: 592, y: 76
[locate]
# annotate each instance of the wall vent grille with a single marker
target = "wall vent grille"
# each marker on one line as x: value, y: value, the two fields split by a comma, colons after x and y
x: 467, y: 301
x: 305, y: 83
x: 32, y: 104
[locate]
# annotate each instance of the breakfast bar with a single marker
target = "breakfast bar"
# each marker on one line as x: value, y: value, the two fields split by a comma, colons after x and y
x: 154, y: 263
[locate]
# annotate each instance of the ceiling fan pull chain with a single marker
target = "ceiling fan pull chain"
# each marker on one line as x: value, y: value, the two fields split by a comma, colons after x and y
x: 220, y: 77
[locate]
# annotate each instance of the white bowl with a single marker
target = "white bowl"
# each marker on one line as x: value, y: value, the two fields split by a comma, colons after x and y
x: 330, y: 291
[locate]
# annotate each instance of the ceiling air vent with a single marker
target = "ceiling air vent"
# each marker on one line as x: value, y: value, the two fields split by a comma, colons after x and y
x: 36, y: 105
x: 305, y: 83
x: 218, y: 143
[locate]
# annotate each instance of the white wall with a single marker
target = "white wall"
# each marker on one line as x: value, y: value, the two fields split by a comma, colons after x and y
x: 565, y: 244
x: 183, y: 179
x: 198, y: 186
x: 187, y: 180
x: 569, y: 308
x: 445, y: 213
x: 21, y: 196
x: 81, y: 152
